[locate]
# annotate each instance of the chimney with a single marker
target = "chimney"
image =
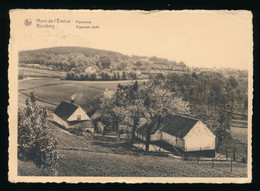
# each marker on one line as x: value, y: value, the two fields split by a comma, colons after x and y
x: 72, y: 101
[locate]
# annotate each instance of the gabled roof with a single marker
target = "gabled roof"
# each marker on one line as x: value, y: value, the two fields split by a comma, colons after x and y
x: 178, y: 126
x: 65, y: 110
x: 174, y: 125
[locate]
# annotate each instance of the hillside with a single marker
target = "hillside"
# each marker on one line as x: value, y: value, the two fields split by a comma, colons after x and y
x: 77, y: 59
x: 104, y: 156
x: 70, y: 49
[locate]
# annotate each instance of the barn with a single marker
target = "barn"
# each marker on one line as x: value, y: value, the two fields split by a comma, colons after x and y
x: 189, y: 136
x: 70, y: 115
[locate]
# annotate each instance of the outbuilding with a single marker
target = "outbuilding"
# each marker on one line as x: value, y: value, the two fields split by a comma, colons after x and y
x: 190, y: 136
x: 70, y: 115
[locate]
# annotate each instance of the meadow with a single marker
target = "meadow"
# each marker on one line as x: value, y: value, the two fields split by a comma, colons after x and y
x: 109, y: 164
x: 40, y: 73
x: 240, y: 134
x: 52, y: 91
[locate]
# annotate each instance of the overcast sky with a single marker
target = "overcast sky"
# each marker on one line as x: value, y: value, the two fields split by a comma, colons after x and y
x: 198, y: 38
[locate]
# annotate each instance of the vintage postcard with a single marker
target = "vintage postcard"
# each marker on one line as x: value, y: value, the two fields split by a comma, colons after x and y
x: 130, y: 96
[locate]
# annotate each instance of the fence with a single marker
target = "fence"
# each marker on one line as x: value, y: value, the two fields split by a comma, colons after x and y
x: 231, y: 156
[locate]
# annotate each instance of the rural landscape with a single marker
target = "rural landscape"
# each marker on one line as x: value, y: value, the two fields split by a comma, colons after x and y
x: 90, y: 112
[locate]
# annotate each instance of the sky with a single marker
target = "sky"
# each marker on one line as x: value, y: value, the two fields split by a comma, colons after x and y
x: 198, y: 38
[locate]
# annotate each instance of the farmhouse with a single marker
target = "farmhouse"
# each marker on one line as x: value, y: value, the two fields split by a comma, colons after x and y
x: 69, y: 115
x: 189, y: 136
x: 90, y: 70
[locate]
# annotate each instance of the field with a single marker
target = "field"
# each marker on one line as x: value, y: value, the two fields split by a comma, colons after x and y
x: 40, y: 73
x: 239, y: 130
x: 109, y: 164
x: 104, y: 156
x: 239, y: 134
x: 50, y: 92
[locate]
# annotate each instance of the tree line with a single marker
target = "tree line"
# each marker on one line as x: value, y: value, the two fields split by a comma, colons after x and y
x: 104, y: 76
x: 211, y: 89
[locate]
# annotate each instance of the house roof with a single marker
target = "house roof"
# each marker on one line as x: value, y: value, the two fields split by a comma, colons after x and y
x: 65, y: 110
x: 174, y: 125
x: 178, y: 126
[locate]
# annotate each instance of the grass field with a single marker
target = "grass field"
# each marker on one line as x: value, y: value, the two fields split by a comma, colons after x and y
x: 84, y: 163
x: 53, y: 91
x: 28, y: 84
x: 76, y: 163
x: 239, y: 134
x: 36, y: 72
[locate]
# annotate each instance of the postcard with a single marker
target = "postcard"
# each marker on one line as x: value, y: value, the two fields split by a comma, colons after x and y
x: 130, y: 96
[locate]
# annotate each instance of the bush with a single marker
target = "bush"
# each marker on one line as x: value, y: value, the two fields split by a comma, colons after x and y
x: 35, y: 143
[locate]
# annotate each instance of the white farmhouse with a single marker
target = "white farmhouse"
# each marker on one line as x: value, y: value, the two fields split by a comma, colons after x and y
x: 90, y: 70
x: 190, y: 136
x: 70, y: 115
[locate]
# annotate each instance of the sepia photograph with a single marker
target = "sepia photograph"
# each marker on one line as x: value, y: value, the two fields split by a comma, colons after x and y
x: 130, y: 96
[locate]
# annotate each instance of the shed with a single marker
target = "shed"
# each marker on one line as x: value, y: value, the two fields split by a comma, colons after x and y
x: 70, y: 115
x: 187, y: 134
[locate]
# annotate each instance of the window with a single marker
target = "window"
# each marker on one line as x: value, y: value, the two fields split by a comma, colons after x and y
x: 78, y: 117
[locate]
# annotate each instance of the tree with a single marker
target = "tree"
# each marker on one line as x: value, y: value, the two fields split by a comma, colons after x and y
x: 216, y: 120
x: 133, y: 75
x: 35, y: 143
x: 93, y: 76
x: 135, y: 106
x: 72, y: 75
x: 232, y: 97
x: 106, y: 63
x: 68, y: 76
x: 107, y: 76
x: 233, y: 82
x: 82, y: 76
x: 222, y: 128
x: 118, y: 75
x: 216, y: 87
x: 114, y: 77
x: 159, y: 78
x: 158, y: 103
x: 245, y: 104
x: 194, y: 75
x: 124, y: 77
x: 113, y: 106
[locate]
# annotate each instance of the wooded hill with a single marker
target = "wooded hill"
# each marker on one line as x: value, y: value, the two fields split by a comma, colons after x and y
x: 77, y: 59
